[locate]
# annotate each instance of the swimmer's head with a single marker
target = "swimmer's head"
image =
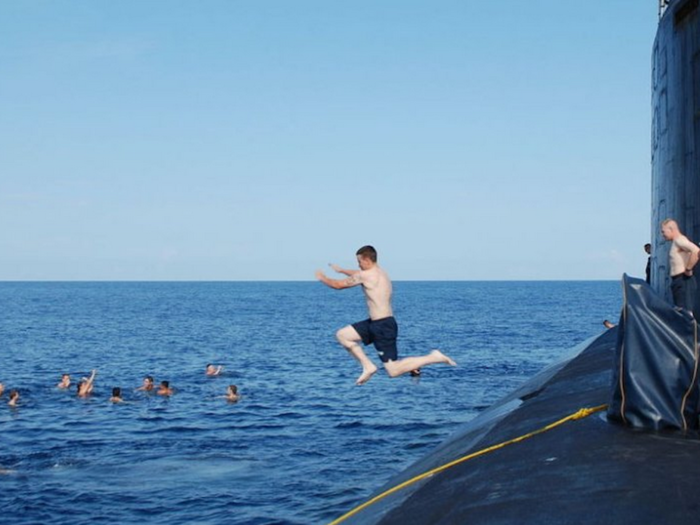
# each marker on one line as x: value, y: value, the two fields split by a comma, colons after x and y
x: 233, y: 389
x: 165, y: 384
x: 116, y: 392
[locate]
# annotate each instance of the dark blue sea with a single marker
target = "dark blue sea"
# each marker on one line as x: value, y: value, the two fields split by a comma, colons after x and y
x: 304, y: 444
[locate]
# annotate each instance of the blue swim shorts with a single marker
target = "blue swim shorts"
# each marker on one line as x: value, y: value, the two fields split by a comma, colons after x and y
x: 382, y: 334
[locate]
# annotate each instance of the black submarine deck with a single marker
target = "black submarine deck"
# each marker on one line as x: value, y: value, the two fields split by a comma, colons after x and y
x: 584, y: 471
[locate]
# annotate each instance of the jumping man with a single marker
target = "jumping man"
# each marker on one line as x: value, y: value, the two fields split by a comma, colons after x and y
x: 381, y: 328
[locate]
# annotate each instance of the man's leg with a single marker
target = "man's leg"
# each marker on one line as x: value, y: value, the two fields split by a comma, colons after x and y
x: 691, y: 291
x: 678, y: 292
x: 401, y: 366
x: 682, y: 290
x: 350, y: 340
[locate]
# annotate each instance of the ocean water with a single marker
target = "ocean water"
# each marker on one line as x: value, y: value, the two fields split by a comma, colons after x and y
x: 304, y: 444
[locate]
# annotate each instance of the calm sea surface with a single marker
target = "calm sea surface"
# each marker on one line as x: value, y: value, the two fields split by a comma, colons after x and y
x: 304, y: 444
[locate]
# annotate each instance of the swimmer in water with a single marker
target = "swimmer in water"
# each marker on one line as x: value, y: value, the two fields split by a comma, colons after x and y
x: 148, y: 384
x: 86, y: 385
x: 14, y: 398
x: 164, y: 389
x: 232, y: 393
x: 65, y: 381
x: 2, y: 389
x: 116, y: 395
x: 212, y: 370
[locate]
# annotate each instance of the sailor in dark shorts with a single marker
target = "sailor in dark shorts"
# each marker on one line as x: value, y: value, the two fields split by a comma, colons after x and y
x: 380, y: 329
x: 382, y: 334
x: 682, y: 258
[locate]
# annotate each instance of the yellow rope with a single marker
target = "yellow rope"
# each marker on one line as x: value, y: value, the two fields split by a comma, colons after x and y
x: 583, y: 413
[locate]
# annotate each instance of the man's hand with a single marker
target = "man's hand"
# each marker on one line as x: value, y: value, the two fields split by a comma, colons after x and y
x: 320, y: 275
x: 335, y: 268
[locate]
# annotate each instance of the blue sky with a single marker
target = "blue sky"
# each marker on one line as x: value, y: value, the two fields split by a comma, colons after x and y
x: 260, y: 140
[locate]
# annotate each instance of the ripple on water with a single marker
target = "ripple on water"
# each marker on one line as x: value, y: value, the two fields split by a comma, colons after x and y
x: 303, y: 445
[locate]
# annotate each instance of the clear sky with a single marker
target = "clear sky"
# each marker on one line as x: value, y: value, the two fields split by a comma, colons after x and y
x: 262, y: 139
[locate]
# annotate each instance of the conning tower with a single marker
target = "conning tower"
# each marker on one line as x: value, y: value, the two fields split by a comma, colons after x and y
x: 675, y: 135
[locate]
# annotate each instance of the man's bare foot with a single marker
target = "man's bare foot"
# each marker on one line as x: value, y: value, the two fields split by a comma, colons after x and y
x: 366, y: 375
x: 442, y: 358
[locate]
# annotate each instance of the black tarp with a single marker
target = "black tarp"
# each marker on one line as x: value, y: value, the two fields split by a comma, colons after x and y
x: 656, y: 363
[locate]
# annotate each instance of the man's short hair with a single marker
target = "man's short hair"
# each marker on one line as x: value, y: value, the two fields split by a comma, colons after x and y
x: 367, y: 252
x: 647, y: 245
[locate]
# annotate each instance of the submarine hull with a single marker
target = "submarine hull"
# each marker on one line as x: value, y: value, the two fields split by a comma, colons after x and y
x: 584, y: 471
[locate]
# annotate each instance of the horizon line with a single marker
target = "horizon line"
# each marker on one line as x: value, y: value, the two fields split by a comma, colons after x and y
x: 285, y: 280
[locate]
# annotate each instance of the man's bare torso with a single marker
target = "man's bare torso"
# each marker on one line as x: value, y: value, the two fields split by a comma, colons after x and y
x: 377, y: 288
x: 679, y: 254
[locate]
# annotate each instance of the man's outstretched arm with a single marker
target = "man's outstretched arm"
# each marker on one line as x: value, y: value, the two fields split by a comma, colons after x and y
x: 338, y: 269
x: 339, y: 284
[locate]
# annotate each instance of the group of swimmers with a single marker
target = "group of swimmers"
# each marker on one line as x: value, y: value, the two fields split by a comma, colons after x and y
x: 85, y: 386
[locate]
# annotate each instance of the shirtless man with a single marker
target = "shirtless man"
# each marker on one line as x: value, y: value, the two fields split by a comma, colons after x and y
x: 232, y: 393
x: 682, y: 258
x: 212, y: 370
x: 86, y: 385
x: 14, y: 398
x: 116, y: 395
x: 164, y: 389
x: 65, y: 381
x: 148, y: 384
x: 381, y: 328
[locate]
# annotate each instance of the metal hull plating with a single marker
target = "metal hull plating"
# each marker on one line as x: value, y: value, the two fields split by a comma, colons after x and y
x: 675, y: 152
